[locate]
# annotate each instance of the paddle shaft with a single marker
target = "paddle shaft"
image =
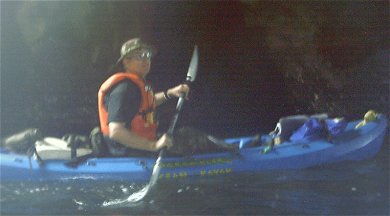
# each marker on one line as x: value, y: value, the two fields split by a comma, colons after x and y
x: 192, y: 71
x: 176, y: 116
x: 172, y: 126
x: 190, y: 78
x: 191, y: 74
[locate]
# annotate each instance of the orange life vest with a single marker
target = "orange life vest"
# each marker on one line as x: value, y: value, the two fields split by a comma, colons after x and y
x: 143, y: 124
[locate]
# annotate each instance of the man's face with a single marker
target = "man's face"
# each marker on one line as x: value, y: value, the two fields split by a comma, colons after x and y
x: 138, y: 62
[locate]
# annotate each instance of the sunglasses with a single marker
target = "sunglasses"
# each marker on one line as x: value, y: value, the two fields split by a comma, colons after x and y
x: 140, y: 55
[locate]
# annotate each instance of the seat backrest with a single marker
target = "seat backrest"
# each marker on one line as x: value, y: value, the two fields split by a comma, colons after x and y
x: 99, y: 146
x: 287, y: 125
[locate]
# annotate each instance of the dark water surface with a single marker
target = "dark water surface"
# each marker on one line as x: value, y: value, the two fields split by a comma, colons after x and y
x: 349, y: 188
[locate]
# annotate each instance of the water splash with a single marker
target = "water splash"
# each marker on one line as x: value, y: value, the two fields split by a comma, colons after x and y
x: 134, y: 199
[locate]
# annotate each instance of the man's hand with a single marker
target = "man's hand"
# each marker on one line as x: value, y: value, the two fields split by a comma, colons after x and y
x: 164, y: 141
x: 178, y: 90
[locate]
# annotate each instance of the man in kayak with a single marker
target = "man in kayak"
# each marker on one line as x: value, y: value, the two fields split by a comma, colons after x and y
x: 127, y: 104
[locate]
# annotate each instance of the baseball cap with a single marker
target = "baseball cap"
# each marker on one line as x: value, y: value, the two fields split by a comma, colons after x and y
x: 132, y: 45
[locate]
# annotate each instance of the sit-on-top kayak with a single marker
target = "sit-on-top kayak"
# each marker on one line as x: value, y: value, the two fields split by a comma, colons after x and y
x: 352, y: 144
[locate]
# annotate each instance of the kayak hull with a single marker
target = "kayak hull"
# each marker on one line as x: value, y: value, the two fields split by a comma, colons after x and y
x: 351, y: 145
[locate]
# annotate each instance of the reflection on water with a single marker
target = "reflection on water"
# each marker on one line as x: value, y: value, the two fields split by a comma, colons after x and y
x: 347, y: 188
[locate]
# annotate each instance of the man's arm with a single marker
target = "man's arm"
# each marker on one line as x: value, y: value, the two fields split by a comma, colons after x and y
x: 161, y: 97
x: 121, y: 134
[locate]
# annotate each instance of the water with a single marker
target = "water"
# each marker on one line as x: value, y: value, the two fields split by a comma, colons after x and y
x: 348, y: 188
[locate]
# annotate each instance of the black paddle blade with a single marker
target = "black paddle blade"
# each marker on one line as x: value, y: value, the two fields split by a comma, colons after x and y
x: 140, y: 195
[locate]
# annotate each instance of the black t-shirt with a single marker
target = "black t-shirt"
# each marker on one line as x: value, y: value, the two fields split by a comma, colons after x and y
x: 123, y: 102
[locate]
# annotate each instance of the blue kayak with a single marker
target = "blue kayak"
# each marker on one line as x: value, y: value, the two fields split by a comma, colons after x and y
x: 352, y: 144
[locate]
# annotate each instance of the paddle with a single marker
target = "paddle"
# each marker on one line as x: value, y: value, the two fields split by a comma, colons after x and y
x: 191, y: 74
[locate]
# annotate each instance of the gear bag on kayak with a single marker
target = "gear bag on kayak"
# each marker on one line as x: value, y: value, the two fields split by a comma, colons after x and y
x: 315, y: 128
